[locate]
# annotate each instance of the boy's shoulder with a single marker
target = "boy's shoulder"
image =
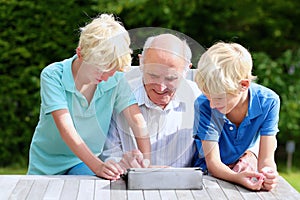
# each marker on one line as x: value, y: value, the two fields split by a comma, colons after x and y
x: 58, y: 67
x: 262, y: 91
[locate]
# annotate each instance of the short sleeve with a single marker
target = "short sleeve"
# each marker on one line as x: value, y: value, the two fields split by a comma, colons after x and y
x: 53, y: 95
x: 125, y: 97
x: 270, y: 123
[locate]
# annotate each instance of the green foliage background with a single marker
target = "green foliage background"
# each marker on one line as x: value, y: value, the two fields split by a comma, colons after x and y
x: 36, y: 33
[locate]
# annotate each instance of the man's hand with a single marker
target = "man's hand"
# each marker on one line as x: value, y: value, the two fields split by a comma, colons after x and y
x: 134, y: 159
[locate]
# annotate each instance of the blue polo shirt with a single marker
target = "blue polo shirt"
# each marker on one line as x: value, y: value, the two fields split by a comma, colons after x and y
x: 261, y: 120
x: 48, y: 152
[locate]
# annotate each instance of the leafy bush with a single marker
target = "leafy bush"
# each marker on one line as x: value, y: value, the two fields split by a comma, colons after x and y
x: 33, y: 34
x: 283, y: 76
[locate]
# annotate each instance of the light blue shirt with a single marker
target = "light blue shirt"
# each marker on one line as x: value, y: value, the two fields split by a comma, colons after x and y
x: 261, y: 120
x: 170, y: 129
x: 48, y: 152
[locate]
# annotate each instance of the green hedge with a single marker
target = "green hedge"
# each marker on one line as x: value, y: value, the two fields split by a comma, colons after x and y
x: 33, y: 34
x: 283, y: 76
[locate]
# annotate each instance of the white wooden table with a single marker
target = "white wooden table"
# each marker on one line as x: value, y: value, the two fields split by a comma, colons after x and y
x: 88, y: 187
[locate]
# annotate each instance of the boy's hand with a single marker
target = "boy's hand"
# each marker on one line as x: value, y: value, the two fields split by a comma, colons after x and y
x: 251, y: 180
x: 110, y: 170
x: 271, y: 178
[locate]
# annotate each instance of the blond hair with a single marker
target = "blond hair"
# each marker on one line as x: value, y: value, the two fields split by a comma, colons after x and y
x: 105, y: 43
x: 222, y: 67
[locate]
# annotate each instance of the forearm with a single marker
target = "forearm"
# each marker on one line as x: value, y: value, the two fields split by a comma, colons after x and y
x: 268, y: 162
x: 81, y: 150
x: 144, y: 146
x: 266, y: 157
x: 215, y: 165
x: 138, y: 125
x: 220, y: 170
x: 70, y: 136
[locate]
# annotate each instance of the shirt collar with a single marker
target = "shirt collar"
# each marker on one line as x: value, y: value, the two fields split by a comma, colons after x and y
x: 67, y: 75
x: 254, y: 108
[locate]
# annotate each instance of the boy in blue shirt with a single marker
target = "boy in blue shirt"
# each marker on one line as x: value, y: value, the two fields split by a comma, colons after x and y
x: 231, y: 116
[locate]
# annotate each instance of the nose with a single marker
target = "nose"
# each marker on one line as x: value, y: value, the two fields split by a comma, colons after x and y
x: 161, y: 87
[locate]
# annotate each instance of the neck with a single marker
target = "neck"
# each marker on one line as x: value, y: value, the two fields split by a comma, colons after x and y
x: 75, y: 67
x: 79, y: 78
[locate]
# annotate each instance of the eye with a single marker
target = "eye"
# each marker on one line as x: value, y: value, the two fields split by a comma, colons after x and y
x: 171, y: 78
x: 153, y: 76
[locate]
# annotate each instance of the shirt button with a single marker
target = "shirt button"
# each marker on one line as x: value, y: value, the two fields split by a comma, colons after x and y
x: 231, y: 128
x: 83, y: 104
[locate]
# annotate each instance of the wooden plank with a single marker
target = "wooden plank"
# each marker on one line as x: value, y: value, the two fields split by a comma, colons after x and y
x: 118, y: 190
x: 213, y: 189
x: 201, y: 194
x: 89, y: 187
x: 102, y: 189
x: 7, y: 184
x: 151, y: 195
x: 184, y: 194
x: 86, y: 190
x: 285, y: 191
x: 54, y: 189
x: 70, y: 189
x: 266, y: 195
x: 38, y: 189
x: 135, y: 194
x: 230, y: 190
x: 247, y: 194
x: 21, y: 190
x: 168, y: 194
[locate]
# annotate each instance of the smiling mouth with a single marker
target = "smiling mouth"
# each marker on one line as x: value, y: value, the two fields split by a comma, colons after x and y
x: 161, y: 93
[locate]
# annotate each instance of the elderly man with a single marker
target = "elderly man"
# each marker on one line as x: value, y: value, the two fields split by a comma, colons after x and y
x: 166, y: 100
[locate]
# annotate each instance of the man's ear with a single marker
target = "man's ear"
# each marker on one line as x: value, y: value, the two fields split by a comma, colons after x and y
x: 141, y: 61
x: 190, y: 65
x: 244, y: 84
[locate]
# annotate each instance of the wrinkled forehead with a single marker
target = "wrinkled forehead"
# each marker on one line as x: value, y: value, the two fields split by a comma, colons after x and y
x: 164, y: 59
x: 161, y: 70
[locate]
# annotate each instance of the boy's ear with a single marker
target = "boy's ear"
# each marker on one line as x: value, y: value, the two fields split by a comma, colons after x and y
x: 78, y: 52
x: 244, y: 84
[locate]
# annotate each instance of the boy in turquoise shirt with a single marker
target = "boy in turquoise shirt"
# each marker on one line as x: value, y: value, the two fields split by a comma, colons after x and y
x: 77, y: 101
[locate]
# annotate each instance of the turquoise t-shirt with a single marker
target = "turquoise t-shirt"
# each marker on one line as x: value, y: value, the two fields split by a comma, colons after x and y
x: 49, y: 154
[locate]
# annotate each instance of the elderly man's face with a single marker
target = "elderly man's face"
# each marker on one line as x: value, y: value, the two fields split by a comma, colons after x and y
x: 162, y: 73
